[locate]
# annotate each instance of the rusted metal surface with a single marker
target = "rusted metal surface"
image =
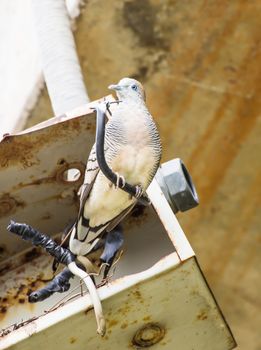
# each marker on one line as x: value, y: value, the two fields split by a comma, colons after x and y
x: 36, y: 190
x: 33, y: 168
x: 172, y: 295
x: 31, y: 269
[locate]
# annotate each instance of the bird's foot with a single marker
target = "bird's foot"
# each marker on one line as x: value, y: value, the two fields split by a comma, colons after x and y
x: 108, y: 104
x: 120, y: 182
x: 139, y: 191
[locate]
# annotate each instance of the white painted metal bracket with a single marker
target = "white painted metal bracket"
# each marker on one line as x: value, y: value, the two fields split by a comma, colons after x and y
x: 158, y: 294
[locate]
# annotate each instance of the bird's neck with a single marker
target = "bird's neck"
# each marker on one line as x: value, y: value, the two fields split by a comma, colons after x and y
x: 137, y: 102
x: 135, y: 105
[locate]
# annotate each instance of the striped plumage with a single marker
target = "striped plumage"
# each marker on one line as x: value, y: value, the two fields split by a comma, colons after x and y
x: 133, y: 150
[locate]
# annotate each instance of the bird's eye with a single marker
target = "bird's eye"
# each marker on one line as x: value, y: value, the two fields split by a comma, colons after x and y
x: 134, y: 87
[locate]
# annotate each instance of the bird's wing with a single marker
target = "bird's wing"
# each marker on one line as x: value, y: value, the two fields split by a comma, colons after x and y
x: 91, y: 172
x: 84, y: 235
x: 114, y: 222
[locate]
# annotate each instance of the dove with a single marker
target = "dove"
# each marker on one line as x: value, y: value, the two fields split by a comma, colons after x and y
x: 132, y: 150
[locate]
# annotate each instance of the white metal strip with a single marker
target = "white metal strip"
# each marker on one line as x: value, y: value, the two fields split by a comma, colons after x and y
x: 83, y: 303
x: 170, y: 222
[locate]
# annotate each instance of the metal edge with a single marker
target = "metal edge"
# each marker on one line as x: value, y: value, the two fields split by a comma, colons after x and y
x: 75, y: 113
x: 218, y: 307
x: 170, y: 222
x: 81, y: 304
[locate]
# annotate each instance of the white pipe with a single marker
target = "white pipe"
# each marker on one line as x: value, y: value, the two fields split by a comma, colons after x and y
x: 60, y: 62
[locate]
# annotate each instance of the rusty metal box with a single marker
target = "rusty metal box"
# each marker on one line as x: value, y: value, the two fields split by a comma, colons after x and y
x: 158, y: 296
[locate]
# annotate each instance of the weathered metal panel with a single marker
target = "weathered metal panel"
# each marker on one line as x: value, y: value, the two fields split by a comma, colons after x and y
x: 31, y: 269
x: 33, y: 166
x: 172, y: 295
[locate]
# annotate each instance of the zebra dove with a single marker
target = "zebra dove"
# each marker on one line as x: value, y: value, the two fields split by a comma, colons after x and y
x: 133, y: 151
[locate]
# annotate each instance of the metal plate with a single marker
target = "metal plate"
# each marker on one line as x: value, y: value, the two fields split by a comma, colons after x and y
x: 171, y: 294
x: 33, y: 165
x: 31, y: 269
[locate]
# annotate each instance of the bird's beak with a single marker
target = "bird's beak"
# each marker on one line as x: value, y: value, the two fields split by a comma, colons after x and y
x: 114, y: 87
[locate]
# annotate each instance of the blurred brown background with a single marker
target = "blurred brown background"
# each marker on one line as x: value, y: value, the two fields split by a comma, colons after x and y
x: 200, y: 63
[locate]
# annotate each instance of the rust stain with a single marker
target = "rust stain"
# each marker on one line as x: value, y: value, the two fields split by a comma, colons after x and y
x: 13, y: 151
x: 58, y: 174
x: 112, y: 323
x: 224, y: 152
x: 124, y: 310
x: 204, y: 56
x: 202, y: 315
x: 21, y: 150
x: 233, y: 241
x: 73, y: 340
x: 227, y: 144
x: 147, y: 318
x: 19, y: 295
x: 137, y: 294
x: 124, y: 325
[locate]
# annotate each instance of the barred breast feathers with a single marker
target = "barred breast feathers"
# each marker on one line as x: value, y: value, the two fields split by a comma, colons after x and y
x: 132, y: 125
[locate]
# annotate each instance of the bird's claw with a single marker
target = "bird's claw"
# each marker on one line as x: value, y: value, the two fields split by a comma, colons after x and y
x: 104, y: 106
x: 120, y: 178
x: 108, y: 104
x: 139, y: 191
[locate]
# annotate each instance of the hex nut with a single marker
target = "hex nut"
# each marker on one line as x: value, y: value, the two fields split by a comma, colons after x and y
x: 177, y: 185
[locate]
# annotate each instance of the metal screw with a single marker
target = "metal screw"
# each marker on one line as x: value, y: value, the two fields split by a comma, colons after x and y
x: 177, y: 185
x: 148, y: 335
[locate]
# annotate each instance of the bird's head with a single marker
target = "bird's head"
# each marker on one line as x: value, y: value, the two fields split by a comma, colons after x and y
x: 128, y: 88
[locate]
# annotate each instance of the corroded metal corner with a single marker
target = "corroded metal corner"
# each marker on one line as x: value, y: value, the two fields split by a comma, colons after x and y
x: 34, y: 186
x: 158, y: 295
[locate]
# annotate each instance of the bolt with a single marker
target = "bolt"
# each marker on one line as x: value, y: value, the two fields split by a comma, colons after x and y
x: 148, y: 335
